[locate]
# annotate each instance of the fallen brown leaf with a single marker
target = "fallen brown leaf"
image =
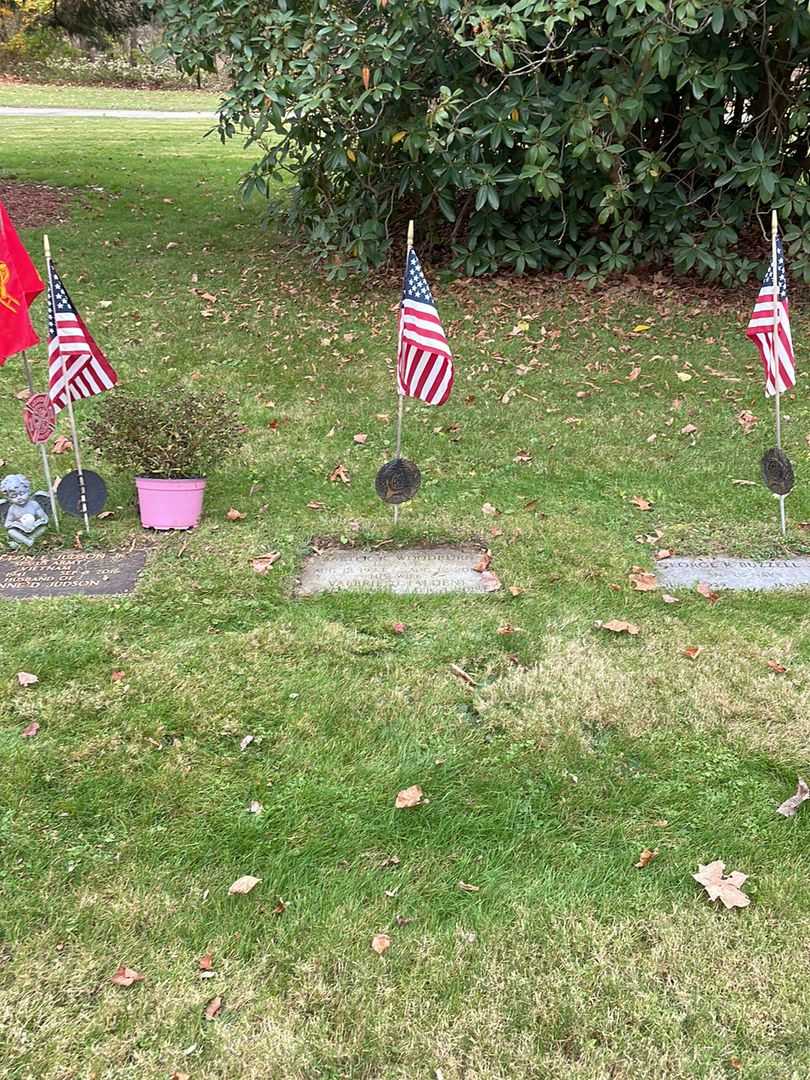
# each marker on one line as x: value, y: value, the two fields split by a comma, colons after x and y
x: 30, y: 731
x: 692, y: 652
x: 409, y: 797
x: 747, y: 421
x: 206, y: 962
x: 315, y: 505
x: 641, y: 504
x: 213, y: 1008
x: 399, y: 627
x: 490, y: 581
x: 465, y: 886
x: 25, y: 678
x: 460, y: 673
x: 774, y: 665
x: 340, y: 473
x: 262, y: 563
x: 246, y: 741
x: 705, y: 590
x: 725, y: 889
x: 644, y: 582
x: 619, y: 626
x: 234, y: 515
x: 360, y: 438
x: 243, y: 885
x: 117, y: 676
x: 380, y: 943
x: 668, y: 598
x: 789, y: 807
x: 125, y: 976
x: 484, y: 562
x: 646, y: 857
x: 489, y: 509
x: 61, y: 445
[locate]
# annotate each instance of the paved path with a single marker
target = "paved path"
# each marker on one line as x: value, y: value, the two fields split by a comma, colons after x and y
x: 118, y: 114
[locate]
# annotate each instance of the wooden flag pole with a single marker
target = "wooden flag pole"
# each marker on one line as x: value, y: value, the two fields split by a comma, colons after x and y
x: 775, y: 352
x: 69, y: 400
x: 45, y: 464
x: 401, y: 396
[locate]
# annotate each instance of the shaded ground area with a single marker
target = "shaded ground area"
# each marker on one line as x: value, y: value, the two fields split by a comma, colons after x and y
x: 32, y: 206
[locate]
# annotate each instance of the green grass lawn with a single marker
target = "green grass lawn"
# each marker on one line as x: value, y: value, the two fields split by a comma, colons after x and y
x: 40, y: 95
x: 124, y: 821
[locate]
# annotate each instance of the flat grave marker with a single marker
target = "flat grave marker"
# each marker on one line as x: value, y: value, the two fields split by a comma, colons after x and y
x: 444, y: 568
x: 69, y: 573
x: 741, y: 574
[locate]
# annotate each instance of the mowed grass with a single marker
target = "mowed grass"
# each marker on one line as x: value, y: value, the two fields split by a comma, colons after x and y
x: 126, y: 819
x: 43, y: 95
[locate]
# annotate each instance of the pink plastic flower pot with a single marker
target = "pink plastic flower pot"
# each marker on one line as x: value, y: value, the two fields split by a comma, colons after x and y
x: 170, y: 504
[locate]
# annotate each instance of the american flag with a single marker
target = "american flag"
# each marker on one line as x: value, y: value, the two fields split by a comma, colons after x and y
x: 87, y: 368
x: 780, y: 373
x: 424, y: 360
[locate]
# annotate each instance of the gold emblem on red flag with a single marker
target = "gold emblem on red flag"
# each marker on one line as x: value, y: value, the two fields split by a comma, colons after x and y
x: 6, y: 299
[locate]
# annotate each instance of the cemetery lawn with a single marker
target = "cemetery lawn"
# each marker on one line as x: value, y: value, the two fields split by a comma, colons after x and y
x: 42, y: 95
x: 125, y: 819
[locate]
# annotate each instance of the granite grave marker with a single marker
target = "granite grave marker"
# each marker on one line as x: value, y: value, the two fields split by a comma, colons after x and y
x: 69, y: 573
x: 440, y: 569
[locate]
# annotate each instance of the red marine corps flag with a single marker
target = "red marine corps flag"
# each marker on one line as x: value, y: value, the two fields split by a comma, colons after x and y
x: 20, y: 285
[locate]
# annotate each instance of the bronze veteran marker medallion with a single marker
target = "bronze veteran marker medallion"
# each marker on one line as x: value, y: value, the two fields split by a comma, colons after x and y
x: 397, y: 481
x: 777, y: 471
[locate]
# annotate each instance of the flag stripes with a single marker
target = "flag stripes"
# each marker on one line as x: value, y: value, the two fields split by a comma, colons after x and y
x: 86, y: 370
x: 771, y: 307
x: 424, y: 361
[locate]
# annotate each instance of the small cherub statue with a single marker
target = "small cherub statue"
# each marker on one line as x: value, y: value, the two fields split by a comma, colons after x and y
x: 23, y: 514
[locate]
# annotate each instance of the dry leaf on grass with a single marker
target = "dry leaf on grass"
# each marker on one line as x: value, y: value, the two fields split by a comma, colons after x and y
x: 706, y: 590
x: 340, y: 473
x: 719, y: 887
x: 262, y: 563
x: 409, y: 797
x: 747, y: 421
x: 646, y: 857
x: 117, y: 676
x: 255, y: 807
x: 234, y: 515
x: 460, y: 673
x: 61, y: 445
x: 380, y: 943
x: 619, y: 626
x: 484, y: 562
x: 360, y: 438
x: 213, y: 1008
x: 399, y: 627
x: 774, y: 665
x: 30, y: 731
x: 643, y: 581
x: 206, y: 962
x: 25, y: 678
x: 243, y: 885
x: 491, y: 582
x: 692, y: 652
x: 246, y: 741
x: 490, y: 510
x: 314, y: 504
x: 464, y: 886
x: 179, y: 1076
x: 789, y: 807
x: 125, y: 976
x: 668, y: 598
x: 641, y: 504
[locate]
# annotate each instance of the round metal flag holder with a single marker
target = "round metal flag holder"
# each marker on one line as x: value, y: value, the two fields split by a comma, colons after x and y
x: 777, y: 471
x: 397, y: 481
x: 69, y: 493
x: 39, y: 418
